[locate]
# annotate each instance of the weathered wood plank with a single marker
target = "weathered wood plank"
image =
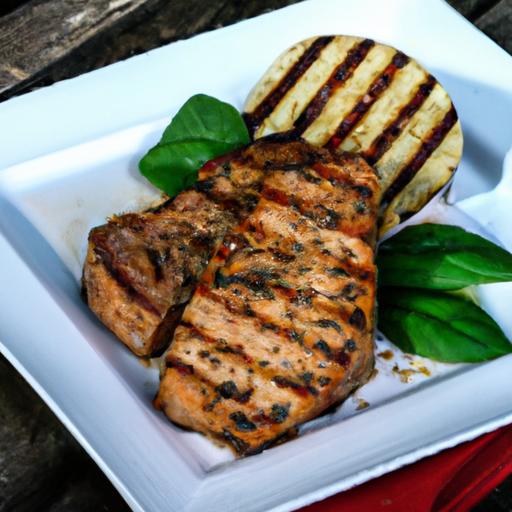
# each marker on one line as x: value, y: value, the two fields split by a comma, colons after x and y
x: 497, y: 24
x: 33, y: 446
x: 472, y: 9
x: 41, y: 465
x: 43, y: 31
x: 178, y: 19
x: 85, y: 489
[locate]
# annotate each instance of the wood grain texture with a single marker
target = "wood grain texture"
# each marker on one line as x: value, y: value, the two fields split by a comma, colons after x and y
x: 472, y: 9
x: 150, y: 29
x: 41, y: 32
x: 497, y: 24
x: 41, y: 465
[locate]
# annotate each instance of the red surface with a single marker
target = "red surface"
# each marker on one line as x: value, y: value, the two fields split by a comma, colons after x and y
x: 452, y: 481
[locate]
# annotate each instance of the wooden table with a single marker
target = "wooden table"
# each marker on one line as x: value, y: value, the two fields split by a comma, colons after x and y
x: 42, y: 468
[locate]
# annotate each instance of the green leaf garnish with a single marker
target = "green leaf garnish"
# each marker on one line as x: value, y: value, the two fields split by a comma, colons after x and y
x: 440, y: 326
x: 204, y: 128
x: 441, y: 257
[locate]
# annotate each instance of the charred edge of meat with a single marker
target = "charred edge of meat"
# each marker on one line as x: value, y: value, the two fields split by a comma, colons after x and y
x: 358, y: 319
x: 83, y: 290
x: 106, y: 259
x: 281, y: 438
x: 165, y: 330
x: 239, y: 445
x: 338, y: 356
x: 158, y: 260
x: 282, y: 137
x: 342, y: 358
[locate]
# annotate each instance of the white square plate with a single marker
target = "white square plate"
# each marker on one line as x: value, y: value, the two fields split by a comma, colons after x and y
x: 92, y: 131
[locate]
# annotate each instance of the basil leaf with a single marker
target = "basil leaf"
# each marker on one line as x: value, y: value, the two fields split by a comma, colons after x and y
x: 204, y: 128
x: 441, y: 257
x: 173, y: 167
x: 440, y: 326
x: 207, y: 118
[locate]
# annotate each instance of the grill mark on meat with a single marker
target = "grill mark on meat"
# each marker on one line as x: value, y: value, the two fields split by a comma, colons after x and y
x: 301, y: 390
x: 106, y: 259
x: 156, y: 256
x: 342, y: 358
x: 434, y: 139
x: 374, y: 92
x: 278, y: 415
x: 323, y: 217
x: 228, y: 389
x: 268, y: 104
x: 298, y: 340
x: 324, y: 171
x: 242, y: 423
x: 356, y: 318
x: 332, y: 324
x: 302, y: 297
x: 346, y: 263
x: 179, y: 366
x: 338, y: 77
x: 157, y: 259
x: 281, y: 256
x: 287, y: 335
x: 385, y: 140
x: 220, y: 345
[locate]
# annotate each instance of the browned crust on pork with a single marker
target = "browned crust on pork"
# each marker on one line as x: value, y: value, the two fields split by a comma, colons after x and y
x: 281, y: 325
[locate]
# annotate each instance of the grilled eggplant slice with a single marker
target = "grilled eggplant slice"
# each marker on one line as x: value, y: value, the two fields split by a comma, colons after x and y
x: 281, y: 325
x: 353, y: 94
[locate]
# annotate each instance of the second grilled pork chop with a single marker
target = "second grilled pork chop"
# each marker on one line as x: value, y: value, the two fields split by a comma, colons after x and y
x: 281, y: 325
x: 141, y: 268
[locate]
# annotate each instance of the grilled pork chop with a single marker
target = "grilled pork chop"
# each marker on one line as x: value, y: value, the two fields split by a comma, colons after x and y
x: 281, y: 325
x: 141, y: 268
